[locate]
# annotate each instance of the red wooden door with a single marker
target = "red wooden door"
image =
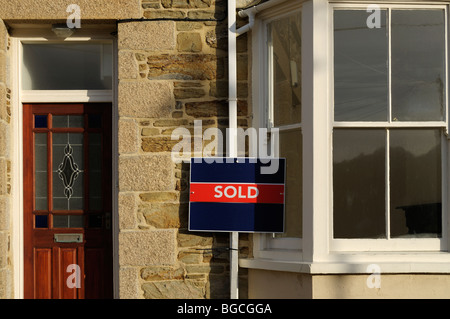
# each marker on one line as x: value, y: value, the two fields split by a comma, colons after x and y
x: 67, y: 201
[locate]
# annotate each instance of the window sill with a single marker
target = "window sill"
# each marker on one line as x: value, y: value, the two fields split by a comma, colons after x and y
x: 357, y: 263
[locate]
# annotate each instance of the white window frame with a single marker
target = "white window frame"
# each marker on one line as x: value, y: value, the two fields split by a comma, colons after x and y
x: 267, y: 245
x: 390, y: 244
x: 38, y: 34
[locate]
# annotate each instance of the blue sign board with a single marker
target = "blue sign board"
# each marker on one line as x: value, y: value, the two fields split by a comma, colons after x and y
x: 237, y: 195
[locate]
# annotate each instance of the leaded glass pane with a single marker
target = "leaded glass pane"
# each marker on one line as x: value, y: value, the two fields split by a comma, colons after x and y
x: 41, y: 176
x: 68, y: 171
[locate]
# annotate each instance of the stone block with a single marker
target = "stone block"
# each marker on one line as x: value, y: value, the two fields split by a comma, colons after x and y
x: 188, y: 93
x: 186, y: 239
x: 165, y: 215
x: 164, y: 14
x: 5, y: 284
x: 207, y: 108
x: 4, y: 214
x: 3, y: 107
x: 190, y: 257
x: 128, y: 136
x: 127, y: 211
x: 186, y: 67
x: 3, y: 36
x: 56, y: 9
x: 155, y: 197
x: 186, y: 3
x: 145, y: 248
x: 175, y: 289
x: 4, y: 238
x: 145, y: 173
x: 158, y: 144
x: 159, y: 273
x: 207, y: 14
x: 3, y: 177
x: 147, y: 35
x: 188, y: 26
x: 128, y: 67
x: 3, y: 68
x: 189, y: 42
x: 129, y: 283
x: 145, y: 99
x: 4, y: 139
x: 149, y: 131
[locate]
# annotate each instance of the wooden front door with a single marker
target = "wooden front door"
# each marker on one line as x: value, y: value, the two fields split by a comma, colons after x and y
x: 67, y: 201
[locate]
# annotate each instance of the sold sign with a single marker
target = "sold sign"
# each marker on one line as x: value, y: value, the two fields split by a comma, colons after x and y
x: 237, y: 193
x: 236, y: 197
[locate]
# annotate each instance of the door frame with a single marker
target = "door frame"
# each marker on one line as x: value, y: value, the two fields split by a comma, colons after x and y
x: 18, y: 97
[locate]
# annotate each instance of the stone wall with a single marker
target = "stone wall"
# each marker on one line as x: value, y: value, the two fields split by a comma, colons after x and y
x: 170, y: 74
x: 6, y: 272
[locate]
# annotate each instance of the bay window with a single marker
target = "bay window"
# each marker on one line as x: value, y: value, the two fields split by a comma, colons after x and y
x: 390, y: 120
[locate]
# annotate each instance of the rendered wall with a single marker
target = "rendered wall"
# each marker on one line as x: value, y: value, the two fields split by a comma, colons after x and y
x: 267, y: 284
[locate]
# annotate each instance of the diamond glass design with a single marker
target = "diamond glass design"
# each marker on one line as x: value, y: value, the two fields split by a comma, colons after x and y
x: 68, y: 171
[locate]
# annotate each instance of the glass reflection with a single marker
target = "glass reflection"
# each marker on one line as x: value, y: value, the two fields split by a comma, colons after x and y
x: 418, y: 65
x: 360, y: 67
x: 416, y: 191
x: 359, y: 183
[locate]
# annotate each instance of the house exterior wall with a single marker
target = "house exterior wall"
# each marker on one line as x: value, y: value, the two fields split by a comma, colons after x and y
x: 170, y: 73
x: 6, y: 267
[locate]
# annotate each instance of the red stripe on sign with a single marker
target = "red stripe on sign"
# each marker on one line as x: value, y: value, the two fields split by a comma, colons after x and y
x: 237, y: 193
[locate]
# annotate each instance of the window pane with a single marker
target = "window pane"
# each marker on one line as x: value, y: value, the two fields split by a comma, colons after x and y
x: 360, y: 67
x: 359, y: 183
x: 285, y: 42
x: 95, y: 171
x: 291, y: 149
x: 418, y: 65
x: 68, y: 121
x: 41, y: 221
x: 416, y: 193
x: 68, y: 171
x: 67, y: 66
x: 41, y: 176
x: 40, y: 121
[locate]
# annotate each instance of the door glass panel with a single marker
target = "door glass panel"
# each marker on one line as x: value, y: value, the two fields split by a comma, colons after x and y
x: 418, y: 65
x: 67, y: 66
x: 68, y: 171
x: 95, y: 120
x: 41, y: 176
x: 40, y: 121
x: 68, y: 221
x: 95, y: 221
x: 68, y: 121
x: 359, y: 183
x: 416, y: 184
x: 360, y: 67
x: 95, y: 171
x: 41, y: 221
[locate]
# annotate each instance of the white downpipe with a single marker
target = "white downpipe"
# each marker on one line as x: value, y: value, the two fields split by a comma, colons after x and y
x: 233, y: 33
x: 232, y: 138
